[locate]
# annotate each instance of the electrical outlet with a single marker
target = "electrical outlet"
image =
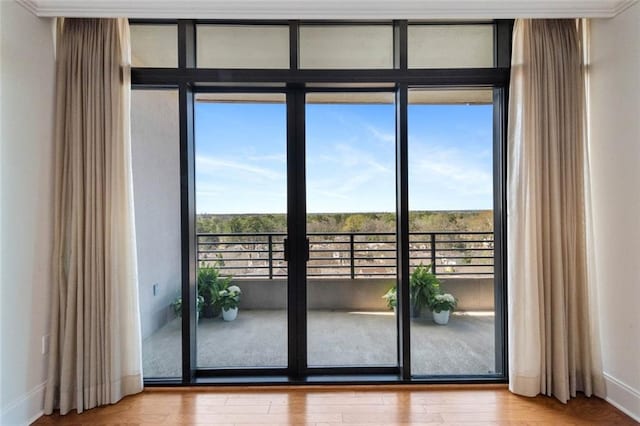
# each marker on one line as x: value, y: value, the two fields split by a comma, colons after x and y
x: 155, y: 289
x: 45, y: 344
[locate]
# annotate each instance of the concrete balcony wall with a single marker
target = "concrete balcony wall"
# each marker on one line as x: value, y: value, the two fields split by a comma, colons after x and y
x: 473, y: 294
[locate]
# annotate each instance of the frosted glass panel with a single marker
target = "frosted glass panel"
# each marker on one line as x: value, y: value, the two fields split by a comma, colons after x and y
x: 344, y: 46
x: 450, y: 46
x: 243, y: 46
x: 450, y: 97
x: 154, y: 46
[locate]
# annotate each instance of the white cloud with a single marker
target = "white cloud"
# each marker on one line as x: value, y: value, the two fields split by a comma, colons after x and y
x: 352, y: 158
x: 381, y: 135
x: 346, y: 178
x: 210, y: 165
x: 452, y: 169
x: 277, y: 158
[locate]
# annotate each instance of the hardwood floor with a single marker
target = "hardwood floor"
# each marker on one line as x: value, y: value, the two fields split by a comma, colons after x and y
x: 348, y: 405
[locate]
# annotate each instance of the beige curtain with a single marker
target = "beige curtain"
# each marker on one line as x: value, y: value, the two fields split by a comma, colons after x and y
x: 95, y: 355
x: 553, y: 341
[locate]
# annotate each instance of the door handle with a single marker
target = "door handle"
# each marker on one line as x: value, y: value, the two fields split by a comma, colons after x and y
x: 307, y: 250
x: 285, y: 242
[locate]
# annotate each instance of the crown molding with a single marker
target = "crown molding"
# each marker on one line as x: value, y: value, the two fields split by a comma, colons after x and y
x: 329, y: 9
x: 30, y: 5
x: 622, y: 6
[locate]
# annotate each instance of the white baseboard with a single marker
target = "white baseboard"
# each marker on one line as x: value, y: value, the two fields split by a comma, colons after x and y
x: 623, y: 397
x: 24, y: 410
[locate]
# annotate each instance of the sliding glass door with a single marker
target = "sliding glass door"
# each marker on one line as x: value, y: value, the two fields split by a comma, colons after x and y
x: 251, y: 162
x: 351, y: 225
x: 241, y: 223
x: 451, y: 222
x: 156, y: 185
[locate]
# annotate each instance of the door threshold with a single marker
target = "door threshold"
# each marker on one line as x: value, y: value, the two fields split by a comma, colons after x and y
x: 329, y: 380
x: 308, y: 380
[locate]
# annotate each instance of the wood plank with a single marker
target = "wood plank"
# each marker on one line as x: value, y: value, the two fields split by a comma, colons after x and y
x: 347, y: 405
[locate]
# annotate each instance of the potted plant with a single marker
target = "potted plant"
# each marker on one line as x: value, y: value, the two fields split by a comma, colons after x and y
x: 210, y: 283
x: 177, y: 307
x: 442, y: 305
x: 229, y: 299
x: 423, y: 285
x: 391, y: 297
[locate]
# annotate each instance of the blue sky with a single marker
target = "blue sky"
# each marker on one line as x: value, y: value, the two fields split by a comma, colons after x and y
x: 241, y: 157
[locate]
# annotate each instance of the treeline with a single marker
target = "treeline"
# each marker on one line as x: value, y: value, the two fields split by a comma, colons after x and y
x: 419, y: 221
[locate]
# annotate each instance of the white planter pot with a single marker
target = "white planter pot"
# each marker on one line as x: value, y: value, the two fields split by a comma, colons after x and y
x: 441, y: 317
x: 230, y: 314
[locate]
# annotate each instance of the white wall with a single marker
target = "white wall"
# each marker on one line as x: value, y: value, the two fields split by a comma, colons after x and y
x: 615, y: 169
x: 27, y: 82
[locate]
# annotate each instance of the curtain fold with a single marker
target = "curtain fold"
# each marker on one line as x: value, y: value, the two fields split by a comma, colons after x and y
x: 553, y: 341
x: 95, y: 355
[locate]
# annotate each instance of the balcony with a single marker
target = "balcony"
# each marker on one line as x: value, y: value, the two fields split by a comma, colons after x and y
x: 348, y: 321
x: 350, y: 255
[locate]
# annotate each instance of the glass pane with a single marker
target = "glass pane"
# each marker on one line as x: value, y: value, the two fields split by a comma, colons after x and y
x: 154, y: 46
x: 346, y: 46
x: 241, y: 205
x: 156, y: 185
x: 450, y: 46
x: 350, y: 165
x: 451, y: 231
x: 243, y: 46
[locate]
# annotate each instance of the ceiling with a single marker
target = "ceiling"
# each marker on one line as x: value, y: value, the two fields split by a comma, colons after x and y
x: 329, y: 9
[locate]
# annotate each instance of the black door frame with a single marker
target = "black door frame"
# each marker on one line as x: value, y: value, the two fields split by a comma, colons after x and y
x: 296, y: 232
x: 293, y: 81
x: 371, y: 372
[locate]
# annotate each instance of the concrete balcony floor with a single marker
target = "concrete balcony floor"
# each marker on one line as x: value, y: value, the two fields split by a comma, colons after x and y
x: 258, y: 338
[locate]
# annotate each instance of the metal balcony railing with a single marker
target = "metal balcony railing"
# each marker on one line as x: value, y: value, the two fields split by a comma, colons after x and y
x: 349, y: 255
